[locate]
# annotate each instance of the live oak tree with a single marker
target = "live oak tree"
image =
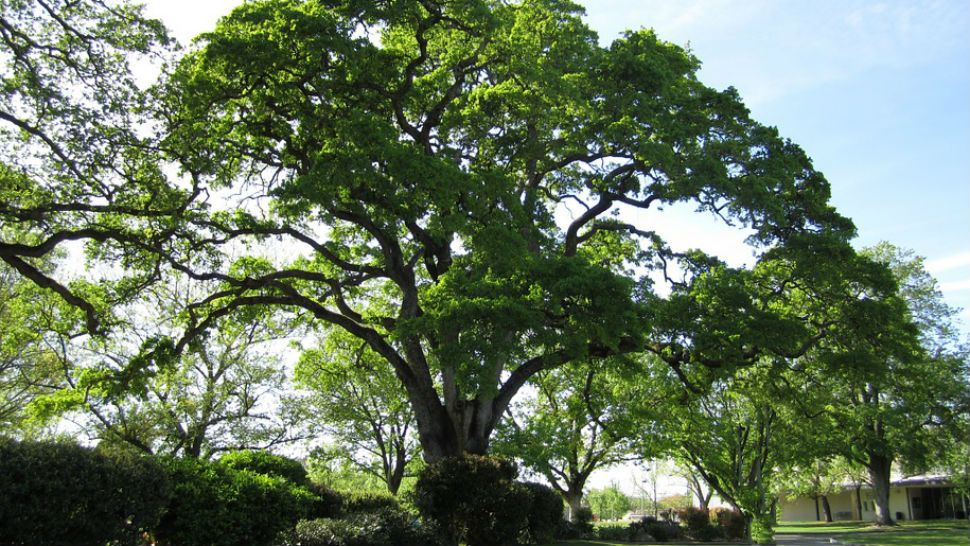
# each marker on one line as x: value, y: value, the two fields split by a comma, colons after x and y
x: 466, y: 186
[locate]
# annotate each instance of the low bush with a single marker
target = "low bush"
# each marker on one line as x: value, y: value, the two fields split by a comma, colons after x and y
x: 384, y: 527
x: 583, y: 521
x: 731, y: 523
x: 545, y: 513
x: 649, y: 528
x: 214, y: 504
x: 612, y: 532
x: 694, y: 519
x: 473, y: 499
x: 364, y: 502
x: 266, y: 463
x: 709, y: 533
x: 60, y: 493
x: 329, y: 503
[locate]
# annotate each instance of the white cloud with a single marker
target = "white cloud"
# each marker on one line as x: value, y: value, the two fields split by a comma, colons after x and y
x: 186, y: 19
x: 947, y: 263
x: 955, y: 286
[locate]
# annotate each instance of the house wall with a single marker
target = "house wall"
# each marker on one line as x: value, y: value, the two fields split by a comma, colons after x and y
x: 845, y: 507
x: 803, y: 508
x: 898, y: 504
x: 797, y: 509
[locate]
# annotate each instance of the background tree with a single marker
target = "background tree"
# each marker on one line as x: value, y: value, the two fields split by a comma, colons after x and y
x: 897, y: 388
x: 360, y: 406
x: 27, y: 368
x: 699, y: 489
x: 221, y: 394
x: 577, y: 422
x: 736, y: 436
x: 609, y: 503
x: 818, y: 479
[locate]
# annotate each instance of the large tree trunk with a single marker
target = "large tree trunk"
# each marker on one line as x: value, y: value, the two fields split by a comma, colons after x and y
x: 574, y: 501
x: 879, y: 474
x: 452, y: 432
x: 826, y: 509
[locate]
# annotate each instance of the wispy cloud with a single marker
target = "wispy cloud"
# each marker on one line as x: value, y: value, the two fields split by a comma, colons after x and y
x: 948, y: 263
x: 955, y: 286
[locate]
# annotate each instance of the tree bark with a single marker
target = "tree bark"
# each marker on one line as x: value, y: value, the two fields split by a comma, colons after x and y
x: 574, y: 500
x: 826, y: 509
x: 879, y: 474
x: 396, y: 476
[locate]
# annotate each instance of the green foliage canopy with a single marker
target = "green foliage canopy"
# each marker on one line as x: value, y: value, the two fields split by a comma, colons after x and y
x: 465, y: 186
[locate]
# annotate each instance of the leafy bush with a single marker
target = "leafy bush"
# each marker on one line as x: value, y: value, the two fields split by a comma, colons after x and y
x: 762, y: 531
x: 709, y: 533
x: 694, y: 519
x: 612, y: 532
x: 473, y: 499
x: 649, y: 528
x: 61, y: 493
x: 214, y: 504
x: 266, y: 463
x: 385, y: 527
x: 545, y: 512
x: 731, y: 522
x: 584, y: 521
x: 329, y: 503
x: 363, y: 502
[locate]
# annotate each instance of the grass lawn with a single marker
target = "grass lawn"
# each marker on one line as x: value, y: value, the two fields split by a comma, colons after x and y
x: 908, y: 533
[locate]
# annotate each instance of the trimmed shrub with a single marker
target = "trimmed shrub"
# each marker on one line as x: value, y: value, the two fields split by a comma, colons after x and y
x: 584, y: 521
x: 707, y: 534
x: 216, y: 505
x: 266, y: 463
x: 649, y: 528
x: 731, y: 522
x: 356, y: 502
x: 545, y: 513
x: 473, y: 499
x: 329, y: 503
x: 612, y: 532
x: 385, y: 527
x: 61, y: 493
x: 694, y: 519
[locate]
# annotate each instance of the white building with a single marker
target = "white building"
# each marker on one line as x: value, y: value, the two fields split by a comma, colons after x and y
x: 916, y: 497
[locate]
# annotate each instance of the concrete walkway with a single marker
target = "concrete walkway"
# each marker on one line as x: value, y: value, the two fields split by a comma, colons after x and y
x: 803, y: 540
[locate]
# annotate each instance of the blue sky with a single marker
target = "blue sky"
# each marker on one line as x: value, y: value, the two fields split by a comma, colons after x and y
x: 876, y: 92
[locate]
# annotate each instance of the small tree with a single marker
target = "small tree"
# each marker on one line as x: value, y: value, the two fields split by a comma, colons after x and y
x: 361, y: 407
x: 609, y: 503
x: 577, y: 423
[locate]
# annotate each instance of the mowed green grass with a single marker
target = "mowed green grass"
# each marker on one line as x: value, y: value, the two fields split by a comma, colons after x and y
x: 908, y: 533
